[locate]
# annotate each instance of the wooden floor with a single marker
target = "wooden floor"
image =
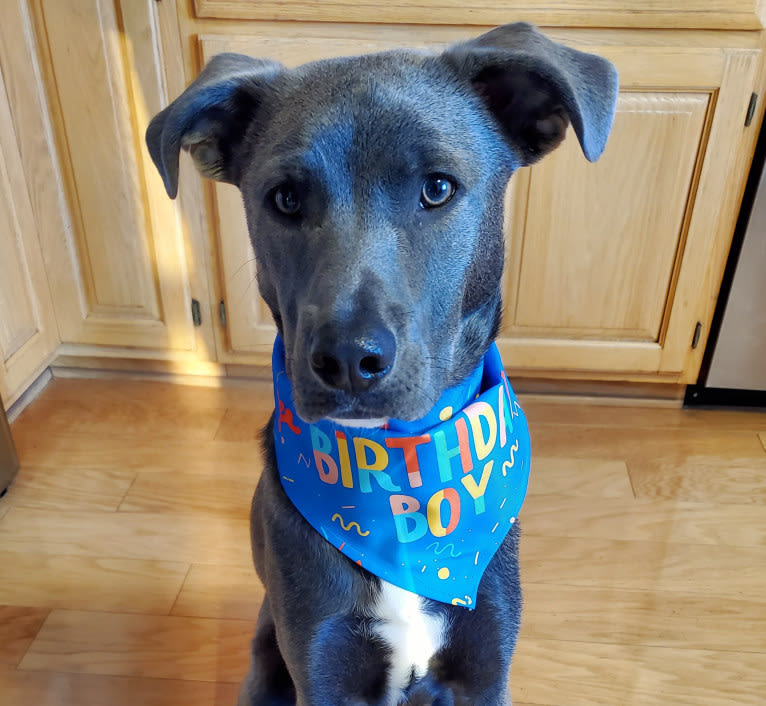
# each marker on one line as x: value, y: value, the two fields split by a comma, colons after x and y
x: 125, y: 574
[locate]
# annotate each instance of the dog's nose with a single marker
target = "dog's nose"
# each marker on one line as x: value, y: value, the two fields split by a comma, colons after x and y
x: 352, y: 363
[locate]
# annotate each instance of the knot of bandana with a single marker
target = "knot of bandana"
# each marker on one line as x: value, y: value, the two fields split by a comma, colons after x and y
x: 423, y: 505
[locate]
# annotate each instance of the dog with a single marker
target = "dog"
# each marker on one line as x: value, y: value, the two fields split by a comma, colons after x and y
x: 373, y: 188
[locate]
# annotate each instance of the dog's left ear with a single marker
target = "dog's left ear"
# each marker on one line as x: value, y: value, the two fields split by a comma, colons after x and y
x: 534, y: 87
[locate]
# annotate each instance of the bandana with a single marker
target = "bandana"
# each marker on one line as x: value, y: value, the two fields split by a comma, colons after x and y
x: 423, y: 505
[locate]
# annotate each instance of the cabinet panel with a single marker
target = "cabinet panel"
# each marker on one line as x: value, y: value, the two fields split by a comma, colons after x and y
x: 18, y: 323
x: 610, y: 266
x: 739, y: 14
x: 117, y: 270
x: 27, y: 332
x: 130, y: 281
x: 611, y: 261
x: 248, y: 320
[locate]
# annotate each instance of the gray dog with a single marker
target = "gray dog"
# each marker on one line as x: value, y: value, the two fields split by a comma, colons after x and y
x: 373, y: 188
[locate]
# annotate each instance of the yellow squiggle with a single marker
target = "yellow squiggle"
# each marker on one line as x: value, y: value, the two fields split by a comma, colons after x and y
x: 348, y: 526
x: 439, y: 550
x: 460, y: 601
x: 513, y: 450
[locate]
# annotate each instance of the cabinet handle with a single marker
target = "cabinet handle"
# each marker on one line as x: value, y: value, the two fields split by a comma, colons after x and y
x: 751, y: 109
x: 697, y: 333
x: 196, y: 313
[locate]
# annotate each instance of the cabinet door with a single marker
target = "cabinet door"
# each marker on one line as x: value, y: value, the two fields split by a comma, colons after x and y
x: 611, y: 265
x: 121, y: 274
x: 28, y: 335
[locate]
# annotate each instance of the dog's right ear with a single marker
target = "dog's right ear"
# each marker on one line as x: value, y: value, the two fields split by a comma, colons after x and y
x: 210, y: 119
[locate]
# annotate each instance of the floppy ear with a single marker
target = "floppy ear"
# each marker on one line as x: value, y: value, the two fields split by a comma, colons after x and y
x: 534, y: 87
x: 210, y: 119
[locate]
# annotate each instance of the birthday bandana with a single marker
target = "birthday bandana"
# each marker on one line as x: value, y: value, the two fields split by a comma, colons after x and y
x: 423, y: 505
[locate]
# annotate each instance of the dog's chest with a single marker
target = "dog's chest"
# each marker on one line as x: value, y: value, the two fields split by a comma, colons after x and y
x: 412, y: 634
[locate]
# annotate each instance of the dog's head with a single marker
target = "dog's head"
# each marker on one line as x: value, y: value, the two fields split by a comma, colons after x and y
x: 373, y: 188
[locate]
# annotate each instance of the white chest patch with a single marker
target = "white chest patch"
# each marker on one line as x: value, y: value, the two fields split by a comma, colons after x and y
x: 413, y: 636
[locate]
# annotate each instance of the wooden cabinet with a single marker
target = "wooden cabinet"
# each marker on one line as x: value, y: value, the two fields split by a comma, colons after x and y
x: 123, y: 270
x: 608, y: 264
x: 612, y: 269
x: 28, y: 335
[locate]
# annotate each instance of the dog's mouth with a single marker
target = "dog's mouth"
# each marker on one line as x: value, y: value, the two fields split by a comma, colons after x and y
x: 358, y: 423
x: 395, y: 398
x: 363, y: 411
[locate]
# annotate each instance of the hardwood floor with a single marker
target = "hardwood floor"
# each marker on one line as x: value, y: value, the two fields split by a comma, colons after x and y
x: 125, y: 573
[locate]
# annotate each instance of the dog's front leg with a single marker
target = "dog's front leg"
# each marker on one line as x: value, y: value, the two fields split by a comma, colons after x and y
x: 268, y: 683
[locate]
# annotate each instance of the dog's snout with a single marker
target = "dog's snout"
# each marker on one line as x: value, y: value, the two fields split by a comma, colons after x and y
x: 352, y: 363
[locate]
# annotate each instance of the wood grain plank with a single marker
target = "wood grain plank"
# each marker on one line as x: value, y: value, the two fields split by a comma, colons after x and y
x: 173, y: 492
x: 18, y: 627
x: 114, y: 417
x: 228, y: 592
x: 189, y: 538
x: 727, y: 572
x: 717, y: 478
x: 542, y: 410
x: 762, y: 437
x: 165, y: 647
x: 244, y: 394
x: 146, y: 455
x: 645, y: 520
x: 95, y: 583
x: 62, y: 689
x: 670, y: 445
x: 652, y: 618
x: 72, y: 489
x: 593, y: 674
x: 579, y: 477
x: 148, y: 409
x: 242, y: 424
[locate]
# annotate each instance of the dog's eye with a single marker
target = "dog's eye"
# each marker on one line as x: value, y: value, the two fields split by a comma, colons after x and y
x: 286, y: 200
x: 437, y: 190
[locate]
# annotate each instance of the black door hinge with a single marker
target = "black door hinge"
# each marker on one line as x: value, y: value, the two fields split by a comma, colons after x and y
x: 196, y: 313
x: 222, y: 313
x: 697, y: 334
x: 751, y: 109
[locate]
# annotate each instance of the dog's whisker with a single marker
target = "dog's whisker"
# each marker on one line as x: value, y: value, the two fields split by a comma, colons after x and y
x: 246, y: 290
x: 239, y: 269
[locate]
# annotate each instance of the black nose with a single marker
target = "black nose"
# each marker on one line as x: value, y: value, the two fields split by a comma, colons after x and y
x: 352, y: 363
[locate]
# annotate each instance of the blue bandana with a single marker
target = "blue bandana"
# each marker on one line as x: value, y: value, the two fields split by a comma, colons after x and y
x: 423, y: 505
